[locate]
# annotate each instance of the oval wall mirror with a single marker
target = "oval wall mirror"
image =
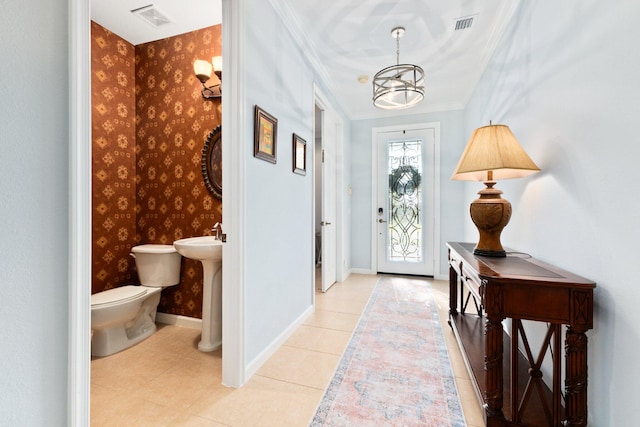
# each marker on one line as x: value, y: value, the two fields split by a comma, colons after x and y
x: 212, y: 163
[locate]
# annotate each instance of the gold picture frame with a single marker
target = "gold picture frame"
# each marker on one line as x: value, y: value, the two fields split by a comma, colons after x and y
x: 265, y: 136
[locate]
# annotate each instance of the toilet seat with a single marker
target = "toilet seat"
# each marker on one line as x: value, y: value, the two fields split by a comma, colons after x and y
x: 117, y: 295
x: 151, y: 248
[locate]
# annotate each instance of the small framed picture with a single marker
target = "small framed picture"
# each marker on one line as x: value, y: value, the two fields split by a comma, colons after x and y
x: 265, y: 135
x: 299, y: 155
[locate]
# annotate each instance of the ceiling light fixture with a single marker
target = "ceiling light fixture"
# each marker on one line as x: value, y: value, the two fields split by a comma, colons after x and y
x: 203, y: 70
x: 398, y: 86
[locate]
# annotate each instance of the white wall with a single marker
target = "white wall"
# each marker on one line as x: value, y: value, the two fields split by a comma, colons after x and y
x: 279, y: 234
x: 33, y: 210
x: 565, y: 79
x: 453, y: 207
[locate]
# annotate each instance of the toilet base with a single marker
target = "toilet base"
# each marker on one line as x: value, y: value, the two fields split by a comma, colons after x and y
x: 106, y: 342
x: 119, y: 336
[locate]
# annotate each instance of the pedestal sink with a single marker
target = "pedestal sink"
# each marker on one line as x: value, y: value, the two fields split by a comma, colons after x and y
x: 207, y: 250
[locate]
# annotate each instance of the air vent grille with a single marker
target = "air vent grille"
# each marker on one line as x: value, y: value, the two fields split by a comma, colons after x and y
x: 151, y: 15
x: 463, y: 23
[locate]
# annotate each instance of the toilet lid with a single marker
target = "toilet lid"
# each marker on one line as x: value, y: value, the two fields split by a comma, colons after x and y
x: 153, y: 249
x: 121, y: 294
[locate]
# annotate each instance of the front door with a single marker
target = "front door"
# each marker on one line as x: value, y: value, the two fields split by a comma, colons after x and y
x: 405, y: 202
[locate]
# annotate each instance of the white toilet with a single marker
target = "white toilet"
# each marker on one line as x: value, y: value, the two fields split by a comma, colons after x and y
x: 124, y: 316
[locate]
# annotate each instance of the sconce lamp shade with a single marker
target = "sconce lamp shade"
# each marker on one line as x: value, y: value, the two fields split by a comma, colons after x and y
x: 217, y: 63
x: 203, y: 70
x: 492, y: 153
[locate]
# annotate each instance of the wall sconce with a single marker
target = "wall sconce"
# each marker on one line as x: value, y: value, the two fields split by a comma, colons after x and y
x: 493, y: 152
x: 203, y: 70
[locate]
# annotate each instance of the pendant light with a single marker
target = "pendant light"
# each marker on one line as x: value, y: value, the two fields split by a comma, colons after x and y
x: 398, y: 86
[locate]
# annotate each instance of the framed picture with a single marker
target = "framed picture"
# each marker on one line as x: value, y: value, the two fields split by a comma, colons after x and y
x: 299, y: 155
x: 265, y: 136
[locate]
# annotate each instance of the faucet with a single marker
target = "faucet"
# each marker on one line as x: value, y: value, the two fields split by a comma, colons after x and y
x: 217, y: 229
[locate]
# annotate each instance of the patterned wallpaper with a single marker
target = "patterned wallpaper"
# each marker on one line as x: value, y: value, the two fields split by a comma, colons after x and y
x: 152, y: 190
x: 114, y: 159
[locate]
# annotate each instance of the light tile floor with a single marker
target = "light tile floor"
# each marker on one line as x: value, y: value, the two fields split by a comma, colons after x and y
x: 166, y: 381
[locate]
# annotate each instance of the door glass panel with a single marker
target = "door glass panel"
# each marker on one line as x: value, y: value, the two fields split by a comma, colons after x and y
x: 404, y: 230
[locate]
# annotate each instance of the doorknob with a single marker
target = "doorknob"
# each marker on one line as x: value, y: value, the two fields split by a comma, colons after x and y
x: 324, y: 223
x: 381, y: 220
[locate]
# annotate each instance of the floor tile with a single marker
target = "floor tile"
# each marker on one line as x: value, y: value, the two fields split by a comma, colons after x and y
x: 332, y: 320
x: 470, y: 406
x: 130, y: 369
x: 132, y: 412
x: 167, y: 381
x: 180, y: 386
x: 300, y: 366
x: 290, y: 405
x: 319, y: 339
x: 188, y: 420
x: 341, y: 305
x: 260, y: 402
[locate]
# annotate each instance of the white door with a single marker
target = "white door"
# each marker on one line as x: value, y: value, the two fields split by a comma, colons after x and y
x: 405, y: 202
x: 329, y: 211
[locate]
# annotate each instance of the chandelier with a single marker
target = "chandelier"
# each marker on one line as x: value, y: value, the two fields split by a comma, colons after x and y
x: 398, y: 86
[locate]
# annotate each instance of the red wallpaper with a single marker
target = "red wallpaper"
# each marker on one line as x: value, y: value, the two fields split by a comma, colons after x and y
x: 157, y: 192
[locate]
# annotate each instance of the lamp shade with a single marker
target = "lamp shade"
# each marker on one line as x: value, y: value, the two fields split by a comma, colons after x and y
x: 217, y: 63
x: 202, y: 70
x: 493, y: 148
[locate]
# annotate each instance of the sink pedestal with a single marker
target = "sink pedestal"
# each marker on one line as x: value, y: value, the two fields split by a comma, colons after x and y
x: 207, y: 250
x: 211, y: 306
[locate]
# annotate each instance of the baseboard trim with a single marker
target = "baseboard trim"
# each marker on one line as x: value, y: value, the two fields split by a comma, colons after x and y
x: 178, y: 320
x: 345, y: 275
x: 367, y: 271
x: 363, y: 271
x: 260, y: 360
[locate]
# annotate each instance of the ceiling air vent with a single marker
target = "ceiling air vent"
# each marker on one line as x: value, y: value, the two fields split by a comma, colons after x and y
x: 152, y: 15
x: 463, y: 23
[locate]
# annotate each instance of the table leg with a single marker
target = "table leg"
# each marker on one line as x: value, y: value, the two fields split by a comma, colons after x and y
x: 453, y: 292
x: 493, y: 367
x: 576, y: 378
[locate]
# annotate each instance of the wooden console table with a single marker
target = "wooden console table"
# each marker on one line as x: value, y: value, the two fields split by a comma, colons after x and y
x: 519, y: 287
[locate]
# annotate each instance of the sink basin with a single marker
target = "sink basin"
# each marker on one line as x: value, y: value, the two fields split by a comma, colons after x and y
x: 200, y: 248
x: 207, y: 250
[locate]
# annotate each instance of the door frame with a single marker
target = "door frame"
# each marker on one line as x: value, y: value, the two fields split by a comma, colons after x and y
x: 320, y: 100
x: 79, y: 248
x: 436, y: 193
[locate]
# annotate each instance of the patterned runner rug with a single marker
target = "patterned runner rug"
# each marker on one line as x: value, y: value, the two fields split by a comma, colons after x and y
x: 395, y: 370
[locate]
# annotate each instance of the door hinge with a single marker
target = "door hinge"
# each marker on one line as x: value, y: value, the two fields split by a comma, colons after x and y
x: 323, y: 155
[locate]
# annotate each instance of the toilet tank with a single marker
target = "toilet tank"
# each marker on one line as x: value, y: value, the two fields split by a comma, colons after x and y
x: 157, y: 265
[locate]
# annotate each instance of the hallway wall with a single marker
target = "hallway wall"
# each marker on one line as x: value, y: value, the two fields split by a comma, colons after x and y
x: 34, y: 159
x: 570, y: 95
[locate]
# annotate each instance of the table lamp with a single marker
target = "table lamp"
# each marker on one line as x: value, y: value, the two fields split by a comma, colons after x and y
x: 492, y: 153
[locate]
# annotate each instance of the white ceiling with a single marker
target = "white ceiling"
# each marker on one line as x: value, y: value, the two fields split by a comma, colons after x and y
x: 185, y: 16
x: 348, y: 39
